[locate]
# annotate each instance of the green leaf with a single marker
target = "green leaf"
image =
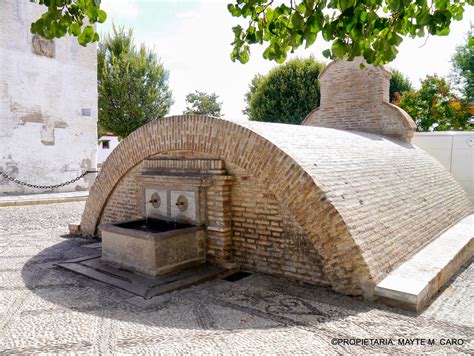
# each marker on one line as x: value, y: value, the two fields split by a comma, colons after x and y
x: 246, y: 10
x: 443, y: 32
x: 313, y: 24
x: 234, y: 10
x: 424, y: 18
x: 237, y: 30
x: 75, y: 29
x: 251, y: 35
x: 297, y: 20
x: 301, y: 8
x: 244, y: 55
x: 86, y: 36
x: 281, y: 57
x: 395, y: 39
x: 345, y: 4
x: 102, y: 16
x: 269, y: 14
x: 338, y: 48
x: 327, y: 33
x: 92, y: 13
x: 82, y: 40
x: 395, y: 4
x: 310, y: 39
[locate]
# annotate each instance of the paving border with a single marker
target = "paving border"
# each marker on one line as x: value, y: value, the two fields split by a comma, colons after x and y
x: 47, y: 198
x: 415, y: 281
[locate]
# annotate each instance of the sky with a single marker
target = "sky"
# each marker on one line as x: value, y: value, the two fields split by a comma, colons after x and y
x: 192, y: 38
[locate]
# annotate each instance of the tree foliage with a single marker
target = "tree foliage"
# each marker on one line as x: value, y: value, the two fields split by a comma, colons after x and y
x: 286, y: 94
x: 132, y: 84
x: 399, y: 83
x: 435, y: 107
x: 74, y: 17
x: 254, y: 84
x: 463, y: 66
x: 201, y: 103
x: 369, y: 28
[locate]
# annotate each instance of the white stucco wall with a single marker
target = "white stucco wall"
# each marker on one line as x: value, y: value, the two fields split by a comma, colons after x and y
x: 103, y: 153
x: 455, y: 151
x: 48, y: 106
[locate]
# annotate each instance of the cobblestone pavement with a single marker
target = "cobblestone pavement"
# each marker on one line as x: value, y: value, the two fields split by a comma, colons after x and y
x: 46, y: 309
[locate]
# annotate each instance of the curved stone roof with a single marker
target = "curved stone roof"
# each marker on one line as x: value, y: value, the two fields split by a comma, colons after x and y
x: 365, y: 201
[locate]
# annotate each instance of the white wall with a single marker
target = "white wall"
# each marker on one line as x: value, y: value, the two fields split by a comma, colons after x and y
x: 103, y: 153
x: 48, y: 106
x: 455, y: 151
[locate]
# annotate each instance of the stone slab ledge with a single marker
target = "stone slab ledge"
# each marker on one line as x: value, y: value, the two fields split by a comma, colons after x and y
x: 47, y: 198
x: 412, y: 284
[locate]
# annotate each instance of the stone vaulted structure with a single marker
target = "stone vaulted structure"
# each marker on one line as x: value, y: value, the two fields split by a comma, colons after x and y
x: 329, y: 207
x: 340, y: 202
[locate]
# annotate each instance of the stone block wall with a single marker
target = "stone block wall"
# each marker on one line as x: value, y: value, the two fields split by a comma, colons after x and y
x: 358, y: 99
x: 48, y: 104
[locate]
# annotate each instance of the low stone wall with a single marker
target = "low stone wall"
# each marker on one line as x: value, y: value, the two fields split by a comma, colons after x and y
x: 455, y: 151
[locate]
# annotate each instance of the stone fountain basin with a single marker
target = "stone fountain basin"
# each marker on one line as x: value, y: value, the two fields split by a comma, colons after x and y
x: 153, y: 247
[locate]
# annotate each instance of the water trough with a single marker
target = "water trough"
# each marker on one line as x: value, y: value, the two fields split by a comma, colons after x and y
x: 166, y: 247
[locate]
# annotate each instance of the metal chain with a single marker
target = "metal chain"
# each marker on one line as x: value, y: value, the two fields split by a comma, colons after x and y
x: 19, y: 182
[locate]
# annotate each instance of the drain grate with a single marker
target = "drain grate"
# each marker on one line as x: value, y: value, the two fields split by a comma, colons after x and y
x: 237, y: 276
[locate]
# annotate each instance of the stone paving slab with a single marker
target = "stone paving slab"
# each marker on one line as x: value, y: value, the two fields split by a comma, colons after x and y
x: 48, y: 198
x: 44, y: 309
x: 414, y: 282
x: 140, y: 284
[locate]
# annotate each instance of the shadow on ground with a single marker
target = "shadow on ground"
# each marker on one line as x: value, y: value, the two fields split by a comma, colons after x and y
x: 258, y: 301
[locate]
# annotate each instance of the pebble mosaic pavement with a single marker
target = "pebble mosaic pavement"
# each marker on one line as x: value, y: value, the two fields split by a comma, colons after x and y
x: 44, y: 309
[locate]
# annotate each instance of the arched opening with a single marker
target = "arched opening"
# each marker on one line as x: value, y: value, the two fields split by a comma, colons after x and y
x: 281, y: 177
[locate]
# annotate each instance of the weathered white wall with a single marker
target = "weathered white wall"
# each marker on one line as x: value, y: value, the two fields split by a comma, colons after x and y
x: 48, y: 106
x: 103, y: 153
x: 455, y: 151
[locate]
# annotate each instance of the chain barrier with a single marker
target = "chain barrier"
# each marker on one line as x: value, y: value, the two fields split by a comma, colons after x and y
x: 19, y: 182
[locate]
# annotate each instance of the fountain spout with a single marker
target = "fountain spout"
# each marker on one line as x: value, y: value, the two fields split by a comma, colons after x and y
x: 155, y: 200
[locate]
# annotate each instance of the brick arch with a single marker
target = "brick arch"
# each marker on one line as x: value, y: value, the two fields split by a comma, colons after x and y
x: 343, y: 262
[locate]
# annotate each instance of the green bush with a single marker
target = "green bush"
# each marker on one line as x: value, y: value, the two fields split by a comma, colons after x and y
x: 399, y: 84
x: 286, y: 94
x: 200, y: 103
